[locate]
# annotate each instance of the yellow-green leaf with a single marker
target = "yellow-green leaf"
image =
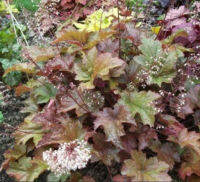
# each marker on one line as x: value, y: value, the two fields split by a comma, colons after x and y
x: 26, y: 169
x: 102, y: 66
x: 23, y: 67
x: 156, y: 30
x: 29, y: 130
x: 139, y: 168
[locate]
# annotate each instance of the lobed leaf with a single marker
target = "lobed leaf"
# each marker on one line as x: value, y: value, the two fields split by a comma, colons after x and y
x: 29, y: 130
x: 190, y: 165
x: 102, y: 66
x: 167, y: 152
x: 73, y: 100
x: 30, y: 106
x: 141, y: 103
x: 13, y: 154
x: 145, y: 135
x: 61, y: 133
x: 139, y: 168
x: 26, y: 169
x: 74, y: 35
x: 44, y: 93
x: 23, y: 67
x: 40, y: 53
x: 112, y: 121
x: 104, y: 150
x: 97, y: 38
x: 98, y: 20
x: 187, y: 139
x: 176, y: 13
x: 157, y: 66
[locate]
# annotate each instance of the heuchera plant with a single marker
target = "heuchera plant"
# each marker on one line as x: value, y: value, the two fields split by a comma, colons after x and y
x: 115, y: 94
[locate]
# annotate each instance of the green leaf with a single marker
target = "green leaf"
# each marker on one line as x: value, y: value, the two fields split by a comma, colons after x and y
x: 167, y: 72
x: 1, y: 98
x: 191, y: 82
x: 13, y: 78
x: 141, y: 103
x: 31, y: 5
x: 26, y: 169
x: 158, y: 66
x: 53, y: 178
x: 44, y: 93
x: 6, y: 63
x: 7, y: 37
x: 1, y: 117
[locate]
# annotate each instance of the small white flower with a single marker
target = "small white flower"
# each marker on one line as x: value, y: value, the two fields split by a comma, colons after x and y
x: 69, y: 156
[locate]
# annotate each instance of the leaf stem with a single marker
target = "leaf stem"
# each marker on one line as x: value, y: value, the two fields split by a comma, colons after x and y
x: 119, y: 36
x: 76, y: 102
x: 14, y: 19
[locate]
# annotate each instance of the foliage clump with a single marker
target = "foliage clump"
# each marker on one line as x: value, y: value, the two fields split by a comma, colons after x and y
x: 111, y: 92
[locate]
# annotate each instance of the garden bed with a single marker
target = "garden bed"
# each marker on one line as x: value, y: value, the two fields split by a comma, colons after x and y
x: 100, y: 91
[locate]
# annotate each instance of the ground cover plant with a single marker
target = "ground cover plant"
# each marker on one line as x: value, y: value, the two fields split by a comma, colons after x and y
x: 105, y: 86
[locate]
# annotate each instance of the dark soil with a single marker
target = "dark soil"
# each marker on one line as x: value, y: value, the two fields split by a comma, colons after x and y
x: 100, y: 173
x: 10, y: 108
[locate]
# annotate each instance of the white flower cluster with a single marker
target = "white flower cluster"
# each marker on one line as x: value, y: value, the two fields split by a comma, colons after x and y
x: 69, y: 156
